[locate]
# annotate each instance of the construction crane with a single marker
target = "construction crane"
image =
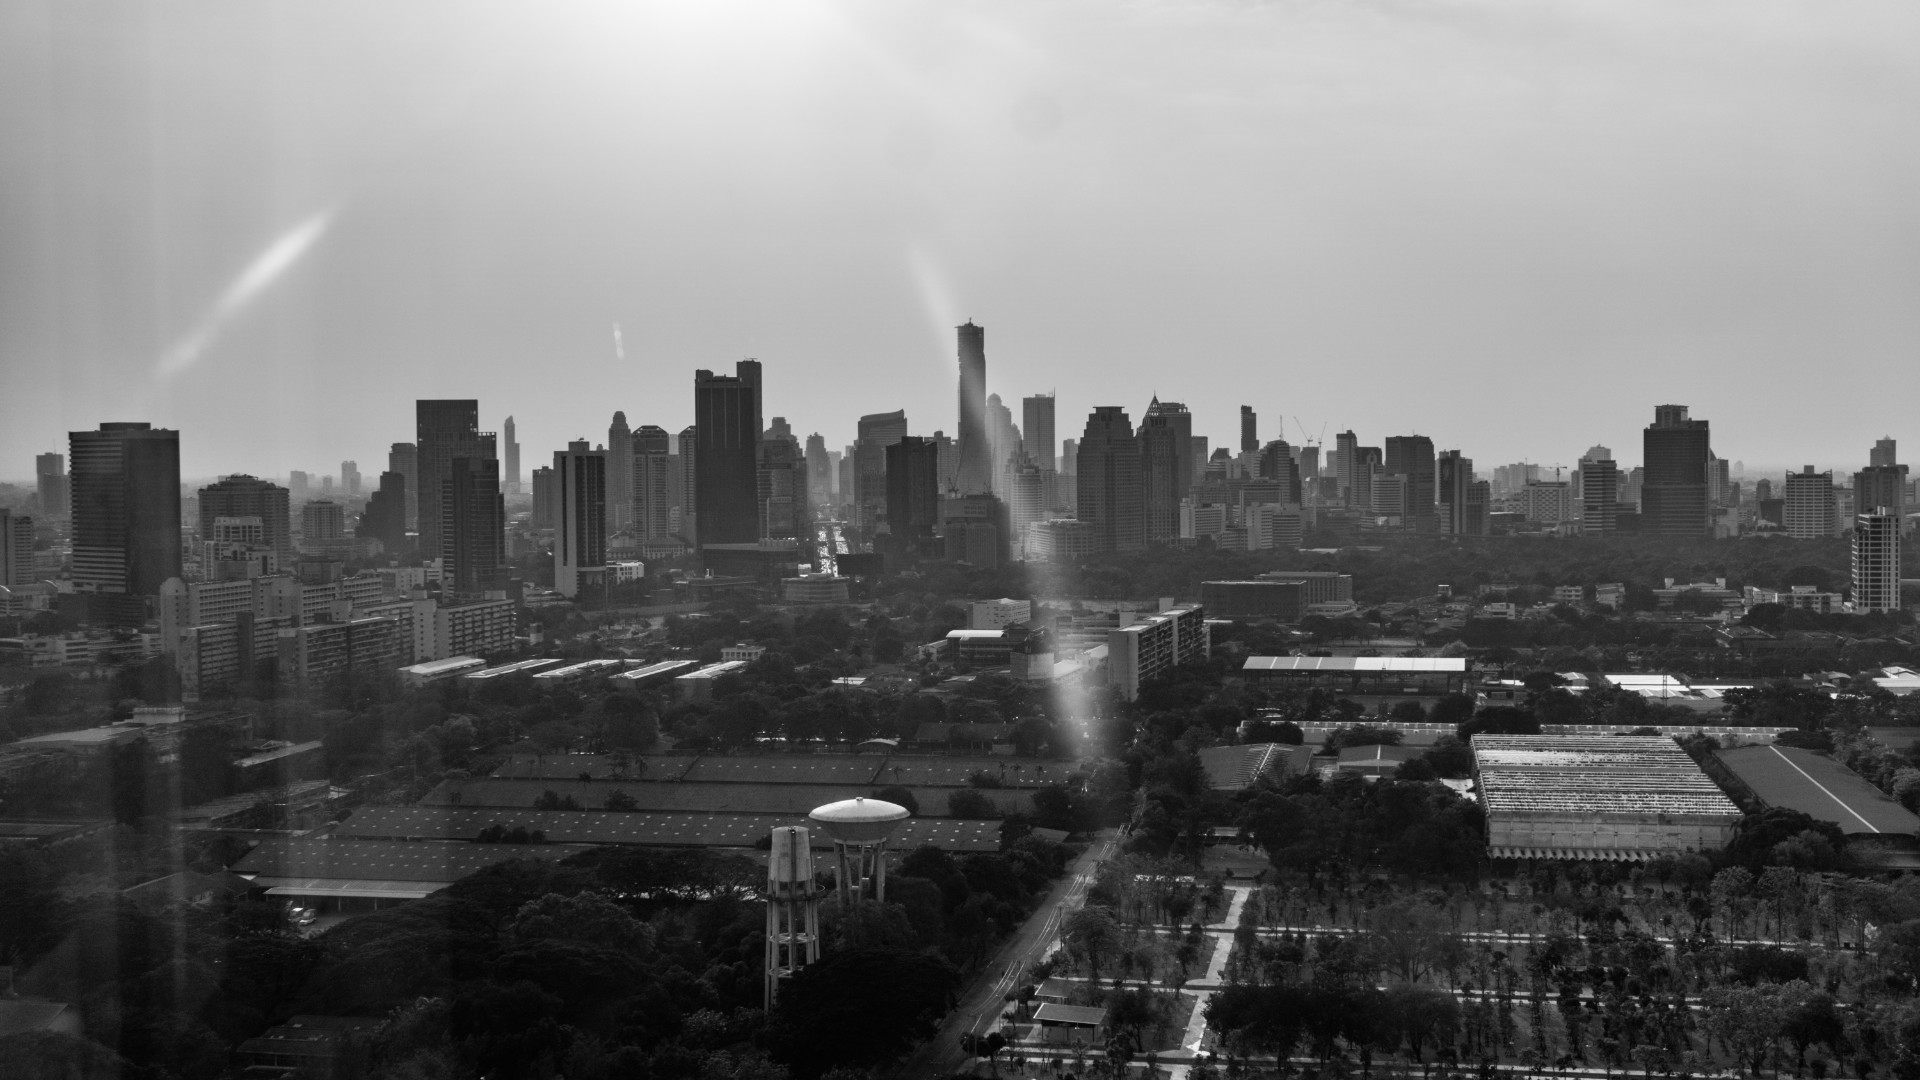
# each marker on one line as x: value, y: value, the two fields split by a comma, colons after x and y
x: 1310, y: 440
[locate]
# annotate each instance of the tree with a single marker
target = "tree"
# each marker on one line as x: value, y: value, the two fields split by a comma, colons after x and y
x: 1091, y: 933
x: 620, y: 800
x: 892, y: 998
x: 971, y: 804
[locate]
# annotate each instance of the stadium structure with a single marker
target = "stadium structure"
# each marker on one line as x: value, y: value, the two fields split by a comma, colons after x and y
x: 1620, y: 798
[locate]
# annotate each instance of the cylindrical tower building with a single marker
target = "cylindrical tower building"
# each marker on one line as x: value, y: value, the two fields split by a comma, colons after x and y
x: 793, y: 907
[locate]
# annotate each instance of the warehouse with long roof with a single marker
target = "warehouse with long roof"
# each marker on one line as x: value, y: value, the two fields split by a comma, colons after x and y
x: 1617, y: 797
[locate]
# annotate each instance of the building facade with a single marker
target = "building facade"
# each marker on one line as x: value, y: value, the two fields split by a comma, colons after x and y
x: 580, y: 518
x: 1674, y: 492
x: 727, y: 425
x: 1108, y: 482
x: 1876, y: 561
x: 125, y: 485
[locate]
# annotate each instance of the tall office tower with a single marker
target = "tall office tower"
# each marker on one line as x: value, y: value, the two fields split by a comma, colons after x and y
x: 652, y: 474
x: 446, y: 429
x: 1454, y: 472
x: 473, y: 526
x: 1673, y: 495
x: 1599, y: 491
x: 1278, y: 467
x: 1363, y: 463
x: 689, y: 443
x: 385, y: 518
x: 511, y: 452
x: 546, y: 498
x: 299, y: 486
x: 50, y: 474
x: 1160, y: 492
x: 1249, y: 430
x: 1876, y: 560
x: 877, y: 431
x: 1181, y: 420
x: 726, y: 421
x: 16, y: 550
x: 779, y: 483
x: 1308, y: 456
x: 1197, y: 458
x: 912, y: 466
x: 1027, y: 505
x: 843, y: 470
x: 1036, y: 430
x: 1762, y: 489
x: 1809, y: 510
x: 619, y: 474
x: 1882, y: 452
x: 126, y: 512
x: 949, y: 461
x: 350, y: 478
x: 1411, y: 456
x: 975, y: 472
x: 1107, y: 482
x: 580, y: 519
x: 241, y: 495
x: 1344, y: 445
x: 322, y: 522
x: 819, y: 470
x: 404, y: 458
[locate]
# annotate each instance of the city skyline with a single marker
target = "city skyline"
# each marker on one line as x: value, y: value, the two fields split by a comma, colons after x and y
x: 1436, y: 203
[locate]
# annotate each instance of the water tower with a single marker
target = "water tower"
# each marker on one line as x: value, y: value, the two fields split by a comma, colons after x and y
x: 793, y: 907
x: 859, y: 829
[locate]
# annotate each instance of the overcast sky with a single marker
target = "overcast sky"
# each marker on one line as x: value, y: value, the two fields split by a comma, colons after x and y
x: 1513, y: 227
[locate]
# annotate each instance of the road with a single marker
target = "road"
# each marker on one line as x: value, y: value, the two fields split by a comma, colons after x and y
x: 985, y: 996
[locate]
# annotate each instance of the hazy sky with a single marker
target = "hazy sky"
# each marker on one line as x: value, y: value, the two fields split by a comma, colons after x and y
x: 1514, y: 227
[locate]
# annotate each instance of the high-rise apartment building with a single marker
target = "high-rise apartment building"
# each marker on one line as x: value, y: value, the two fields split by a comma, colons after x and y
x: 510, y: 478
x: 619, y: 474
x: 404, y: 458
x: 580, y: 527
x: 1809, y: 508
x: 913, y: 491
x: 322, y: 522
x: 1249, y: 430
x: 651, y: 474
x: 1108, y: 481
x: 1674, y: 494
x: 1160, y: 462
x: 1037, y: 431
x: 1411, y: 456
x: 126, y: 511
x: 350, y: 478
x: 1463, y: 500
x: 1883, y: 452
x: 240, y: 496
x: 50, y: 476
x: 1599, y: 492
x: 546, y: 498
x: 1876, y: 560
x: 473, y: 526
x: 976, y: 468
x: 727, y: 426
x: 446, y: 429
x: 1883, y: 483
x: 689, y: 442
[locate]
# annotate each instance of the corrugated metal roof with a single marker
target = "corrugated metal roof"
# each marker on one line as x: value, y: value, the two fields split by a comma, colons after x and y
x: 1408, y: 664
x: 1820, y: 787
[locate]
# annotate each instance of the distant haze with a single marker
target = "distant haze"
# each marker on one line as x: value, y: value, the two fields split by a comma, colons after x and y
x: 1513, y: 227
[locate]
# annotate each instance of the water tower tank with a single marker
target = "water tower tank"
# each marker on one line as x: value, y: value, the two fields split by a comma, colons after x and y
x: 860, y: 821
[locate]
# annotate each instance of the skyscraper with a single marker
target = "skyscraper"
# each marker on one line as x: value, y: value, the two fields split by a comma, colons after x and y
x: 16, y: 549
x: 1809, y: 510
x: 876, y: 432
x: 1673, y: 495
x: 1883, y: 483
x: 241, y: 495
x: 913, y: 492
x: 1461, y: 514
x: 580, y: 526
x: 1160, y: 492
x: 473, y: 526
x: 404, y: 458
x: 126, y: 512
x: 1249, y: 430
x: 511, y: 477
x: 1599, y: 492
x: 1411, y: 456
x: 1180, y: 420
x: 976, y: 465
x: 1003, y: 443
x: 1344, y: 445
x: 1876, y: 560
x: 385, y: 518
x: 619, y: 474
x: 652, y: 463
x: 1108, y: 482
x: 819, y: 470
x: 323, y: 522
x: 446, y: 429
x: 726, y: 421
x: 350, y: 478
x: 688, y: 441
x: 50, y: 475
x: 1036, y: 430
x: 546, y: 498
x: 1278, y: 467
